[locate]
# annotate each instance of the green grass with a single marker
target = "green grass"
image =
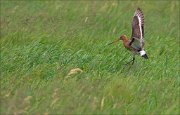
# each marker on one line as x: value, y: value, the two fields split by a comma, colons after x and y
x: 42, y: 41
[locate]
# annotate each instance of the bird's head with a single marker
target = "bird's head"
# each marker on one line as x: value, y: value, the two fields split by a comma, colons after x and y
x: 122, y: 37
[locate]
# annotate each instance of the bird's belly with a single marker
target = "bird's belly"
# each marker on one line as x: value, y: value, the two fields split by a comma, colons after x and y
x: 134, y: 51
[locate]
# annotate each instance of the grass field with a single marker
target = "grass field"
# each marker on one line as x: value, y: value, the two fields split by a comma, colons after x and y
x: 42, y: 42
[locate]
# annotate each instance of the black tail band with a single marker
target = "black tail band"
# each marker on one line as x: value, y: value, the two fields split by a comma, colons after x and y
x: 145, y: 56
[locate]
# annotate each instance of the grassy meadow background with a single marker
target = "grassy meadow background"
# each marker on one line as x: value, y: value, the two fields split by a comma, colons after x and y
x: 42, y: 43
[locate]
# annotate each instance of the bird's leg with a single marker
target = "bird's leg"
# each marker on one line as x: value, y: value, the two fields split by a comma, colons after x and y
x: 131, y: 60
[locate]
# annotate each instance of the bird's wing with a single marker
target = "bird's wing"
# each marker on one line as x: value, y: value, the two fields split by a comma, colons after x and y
x: 137, y: 38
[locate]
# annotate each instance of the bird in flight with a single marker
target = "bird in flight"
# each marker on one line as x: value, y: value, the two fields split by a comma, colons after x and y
x: 136, y: 43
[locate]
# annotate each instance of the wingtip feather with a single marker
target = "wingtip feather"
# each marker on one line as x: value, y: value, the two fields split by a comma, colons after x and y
x: 139, y: 9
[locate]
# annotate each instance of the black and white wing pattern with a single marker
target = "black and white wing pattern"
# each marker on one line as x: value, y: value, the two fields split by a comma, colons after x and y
x: 137, y: 38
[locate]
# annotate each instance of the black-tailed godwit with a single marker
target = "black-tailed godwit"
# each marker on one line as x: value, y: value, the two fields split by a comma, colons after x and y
x: 136, y: 43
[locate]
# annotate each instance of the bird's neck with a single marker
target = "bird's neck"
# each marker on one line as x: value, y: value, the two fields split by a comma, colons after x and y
x: 125, y: 40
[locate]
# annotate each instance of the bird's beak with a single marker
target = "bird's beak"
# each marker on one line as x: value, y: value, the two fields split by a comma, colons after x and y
x: 114, y: 41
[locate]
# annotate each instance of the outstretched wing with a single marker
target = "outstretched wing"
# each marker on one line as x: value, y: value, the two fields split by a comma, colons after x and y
x: 137, y: 38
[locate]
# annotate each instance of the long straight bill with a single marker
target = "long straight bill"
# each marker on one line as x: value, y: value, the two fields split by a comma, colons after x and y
x: 114, y: 41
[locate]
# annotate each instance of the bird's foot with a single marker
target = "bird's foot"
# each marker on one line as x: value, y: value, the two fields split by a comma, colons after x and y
x: 130, y: 62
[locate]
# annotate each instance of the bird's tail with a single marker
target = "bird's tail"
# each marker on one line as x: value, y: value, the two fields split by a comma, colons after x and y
x: 143, y: 54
